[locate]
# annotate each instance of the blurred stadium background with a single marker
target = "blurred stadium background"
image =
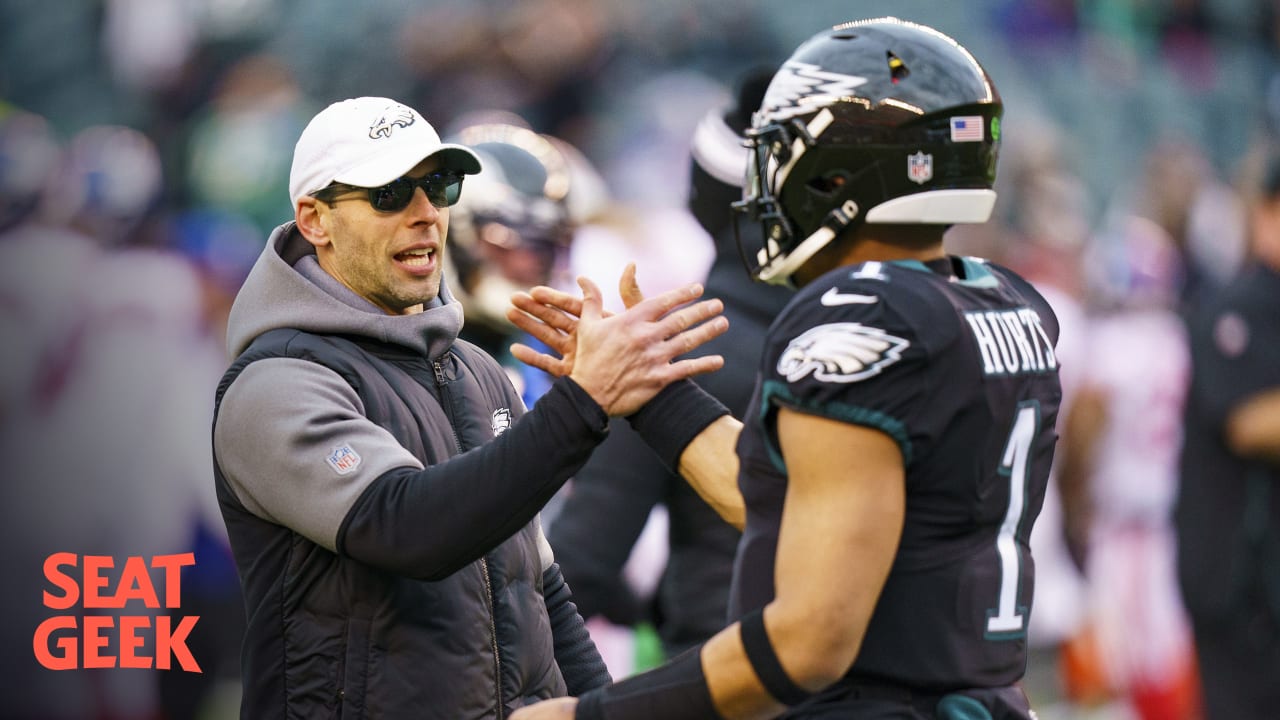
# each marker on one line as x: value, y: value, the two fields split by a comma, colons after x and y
x: 222, y: 86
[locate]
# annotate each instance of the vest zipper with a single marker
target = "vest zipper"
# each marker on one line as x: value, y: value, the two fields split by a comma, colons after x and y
x: 493, y: 636
x: 447, y: 404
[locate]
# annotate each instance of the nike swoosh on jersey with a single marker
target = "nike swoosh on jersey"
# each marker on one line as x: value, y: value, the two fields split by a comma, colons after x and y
x: 833, y: 297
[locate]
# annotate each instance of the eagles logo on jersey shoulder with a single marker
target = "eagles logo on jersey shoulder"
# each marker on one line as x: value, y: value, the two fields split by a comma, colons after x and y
x: 840, y: 353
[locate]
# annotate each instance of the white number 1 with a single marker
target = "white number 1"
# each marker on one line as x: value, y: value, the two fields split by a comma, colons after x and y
x: 1008, y: 618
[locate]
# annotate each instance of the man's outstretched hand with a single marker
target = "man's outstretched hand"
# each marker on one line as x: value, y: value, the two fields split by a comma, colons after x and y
x: 622, y: 360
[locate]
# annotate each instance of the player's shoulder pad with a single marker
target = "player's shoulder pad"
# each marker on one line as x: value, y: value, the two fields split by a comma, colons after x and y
x: 857, y: 291
x: 885, y: 295
x: 846, y: 326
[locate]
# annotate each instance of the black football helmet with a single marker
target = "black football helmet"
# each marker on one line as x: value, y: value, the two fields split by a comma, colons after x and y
x: 875, y: 121
x: 513, y: 226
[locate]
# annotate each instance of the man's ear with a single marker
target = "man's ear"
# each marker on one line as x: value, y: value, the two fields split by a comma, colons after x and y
x: 311, y: 224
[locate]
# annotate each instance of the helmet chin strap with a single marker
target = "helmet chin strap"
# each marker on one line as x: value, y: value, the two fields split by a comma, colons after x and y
x: 780, y: 270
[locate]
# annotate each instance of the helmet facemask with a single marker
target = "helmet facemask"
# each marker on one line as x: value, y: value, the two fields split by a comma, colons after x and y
x: 779, y: 153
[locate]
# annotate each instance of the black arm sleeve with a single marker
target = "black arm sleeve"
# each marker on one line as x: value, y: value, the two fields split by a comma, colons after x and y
x: 432, y: 522
x: 576, y: 653
x: 674, y: 417
x: 606, y: 509
x: 674, y: 691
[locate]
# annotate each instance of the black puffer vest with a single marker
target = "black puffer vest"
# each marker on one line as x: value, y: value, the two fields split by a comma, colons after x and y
x: 329, y: 637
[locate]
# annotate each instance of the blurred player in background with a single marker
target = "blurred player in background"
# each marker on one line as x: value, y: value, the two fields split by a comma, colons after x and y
x: 510, y: 231
x: 1228, y: 510
x: 1121, y: 441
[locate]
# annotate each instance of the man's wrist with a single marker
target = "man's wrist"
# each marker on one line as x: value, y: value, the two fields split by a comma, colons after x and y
x: 586, y: 406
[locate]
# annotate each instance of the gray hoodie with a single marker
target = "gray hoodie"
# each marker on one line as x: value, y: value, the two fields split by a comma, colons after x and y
x: 287, y: 289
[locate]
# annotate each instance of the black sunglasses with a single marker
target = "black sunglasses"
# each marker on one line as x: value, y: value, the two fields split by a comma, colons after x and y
x: 442, y: 189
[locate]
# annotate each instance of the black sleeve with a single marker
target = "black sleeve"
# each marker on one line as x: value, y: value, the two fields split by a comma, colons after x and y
x: 429, y: 523
x: 606, y: 509
x: 576, y: 653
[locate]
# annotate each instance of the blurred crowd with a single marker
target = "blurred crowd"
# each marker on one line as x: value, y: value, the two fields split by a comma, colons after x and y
x: 144, y: 158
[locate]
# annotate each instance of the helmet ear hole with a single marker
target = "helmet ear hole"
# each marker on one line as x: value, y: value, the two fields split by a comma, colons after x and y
x: 829, y: 183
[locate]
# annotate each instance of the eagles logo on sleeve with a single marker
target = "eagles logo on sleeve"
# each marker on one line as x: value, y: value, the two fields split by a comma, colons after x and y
x: 840, y: 353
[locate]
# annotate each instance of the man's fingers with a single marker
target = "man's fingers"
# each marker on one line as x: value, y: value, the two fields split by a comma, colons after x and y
x: 558, y: 299
x: 686, y: 317
x: 628, y: 288
x: 660, y: 305
x: 552, y: 338
x: 682, y: 369
x: 693, y: 338
x: 542, y: 361
x: 592, y: 299
x: 549, y: 314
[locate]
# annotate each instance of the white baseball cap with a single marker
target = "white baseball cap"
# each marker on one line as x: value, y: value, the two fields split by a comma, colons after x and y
x: 367, y: 142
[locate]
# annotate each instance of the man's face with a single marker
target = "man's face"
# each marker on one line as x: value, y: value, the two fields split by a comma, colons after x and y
x: 392, y: 259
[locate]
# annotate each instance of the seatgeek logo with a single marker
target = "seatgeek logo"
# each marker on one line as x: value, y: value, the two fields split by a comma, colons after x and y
x: 88, y: 635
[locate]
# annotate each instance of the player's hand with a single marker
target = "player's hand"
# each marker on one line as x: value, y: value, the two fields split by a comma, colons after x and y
x: 621, y: 360
x: 628, y: 288
x: 555, y: 709
x: 551, y: 316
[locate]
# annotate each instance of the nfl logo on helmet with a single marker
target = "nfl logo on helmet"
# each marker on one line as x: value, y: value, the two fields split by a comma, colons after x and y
x: 920, y: 167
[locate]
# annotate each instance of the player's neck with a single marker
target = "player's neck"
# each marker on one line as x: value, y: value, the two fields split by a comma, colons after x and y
x: 869, y: 249
x: 882, y: 243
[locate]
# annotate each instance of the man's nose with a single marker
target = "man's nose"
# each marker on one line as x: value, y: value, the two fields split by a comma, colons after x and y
x: 421, y: 208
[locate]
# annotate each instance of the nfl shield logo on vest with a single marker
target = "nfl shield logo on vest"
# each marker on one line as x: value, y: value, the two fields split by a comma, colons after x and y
x: 920, y: 167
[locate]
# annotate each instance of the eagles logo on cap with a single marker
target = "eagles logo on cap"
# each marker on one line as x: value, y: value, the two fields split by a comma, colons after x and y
x: 395, y: 116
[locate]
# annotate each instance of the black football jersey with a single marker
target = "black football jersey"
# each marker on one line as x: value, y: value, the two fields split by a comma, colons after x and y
x: 959, y: 369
